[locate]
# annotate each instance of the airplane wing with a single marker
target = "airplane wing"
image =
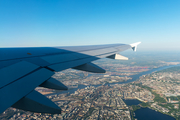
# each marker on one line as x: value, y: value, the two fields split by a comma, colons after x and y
x: 23, y: 69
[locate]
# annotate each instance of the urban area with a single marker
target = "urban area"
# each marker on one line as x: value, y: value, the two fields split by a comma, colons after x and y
x: 102, y: 96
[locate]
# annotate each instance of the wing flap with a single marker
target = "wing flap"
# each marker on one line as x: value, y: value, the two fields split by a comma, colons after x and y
x: 4, y: 64
x: 15, y: 71
x: 13, y: 92
x: 36, y: 102
x: 23, y: 69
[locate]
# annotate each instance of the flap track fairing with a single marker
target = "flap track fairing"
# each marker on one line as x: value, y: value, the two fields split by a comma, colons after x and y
x: 36, y: 102
x: 117, y: 57
x: 53, y: 84
x: 90, y: 67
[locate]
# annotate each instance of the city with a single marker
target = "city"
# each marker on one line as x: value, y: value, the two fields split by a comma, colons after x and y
x: 102, y: 96
x: 77, y: 60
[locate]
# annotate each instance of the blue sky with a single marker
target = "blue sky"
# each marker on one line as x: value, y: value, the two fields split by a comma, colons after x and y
x: 156, y: 23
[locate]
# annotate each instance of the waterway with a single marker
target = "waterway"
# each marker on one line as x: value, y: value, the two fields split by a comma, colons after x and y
x: 149, y: 114
x: 130, y: 102
x: 146, y: 113
x: 134, y: 78
x: 142, y: 113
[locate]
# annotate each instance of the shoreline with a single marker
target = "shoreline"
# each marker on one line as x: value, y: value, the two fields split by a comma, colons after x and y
x: 133, y: 111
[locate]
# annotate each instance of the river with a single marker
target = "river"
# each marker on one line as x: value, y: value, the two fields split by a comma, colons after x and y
x: 146, y: 113
x: 130, y: 102
x: 142, y: 113
x: 149, y: 114
x: 134, y: 78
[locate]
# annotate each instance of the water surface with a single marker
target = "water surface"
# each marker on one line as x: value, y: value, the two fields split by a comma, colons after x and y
x: 130, y: 102
x: 149, y: 114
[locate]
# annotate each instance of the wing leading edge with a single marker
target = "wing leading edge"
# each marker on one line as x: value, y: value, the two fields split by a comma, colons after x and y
x: 23, y: 69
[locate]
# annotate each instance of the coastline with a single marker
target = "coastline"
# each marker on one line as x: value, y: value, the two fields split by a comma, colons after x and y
x: 142, y: 109
x: 139, y: 106
x: 134, y: 78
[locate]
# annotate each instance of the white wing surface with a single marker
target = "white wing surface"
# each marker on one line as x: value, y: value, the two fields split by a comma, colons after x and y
x: 23, y: 69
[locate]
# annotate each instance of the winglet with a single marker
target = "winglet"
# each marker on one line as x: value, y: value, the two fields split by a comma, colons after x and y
x: 134, y: 45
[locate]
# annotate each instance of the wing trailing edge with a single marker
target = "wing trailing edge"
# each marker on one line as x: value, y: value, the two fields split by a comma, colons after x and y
x: 23, y: 69
x: 12, y: 93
